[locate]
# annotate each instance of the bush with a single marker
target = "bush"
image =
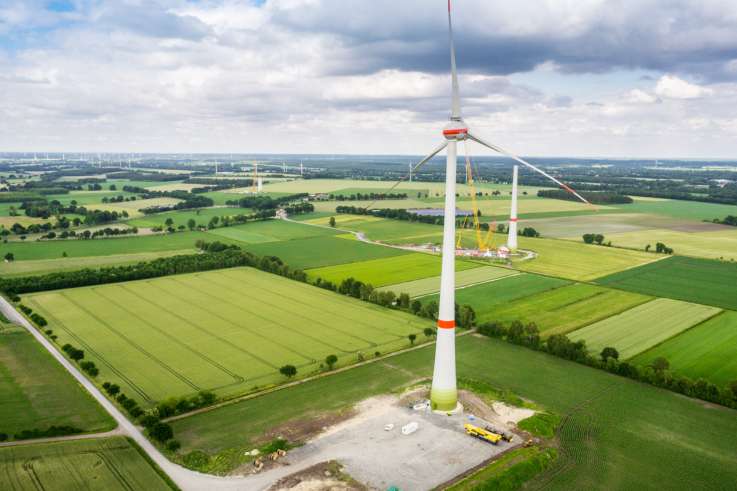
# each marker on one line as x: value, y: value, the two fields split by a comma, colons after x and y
x: 3, y: 437
x: 173, y: 445
x: 149, y: 420
x: 161, y: 432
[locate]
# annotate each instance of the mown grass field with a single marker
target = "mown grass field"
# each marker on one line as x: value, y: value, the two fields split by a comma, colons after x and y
x: 682, y: 278
x: 616, y: 434
x: 109, y: 464
x: 201, y: 217
x: 642, y: 327
x: 269, y: 231
x: 711, y: 244
x: 36, y: 392
x: 388, y: 271
x: 133, y: 207
x: 318, y: 252
x: 707, y: 351
x: 226, y: 331
x: 487, y: 298
x: 578, y: 261
x: 464, y: 278
x: 565, y: 309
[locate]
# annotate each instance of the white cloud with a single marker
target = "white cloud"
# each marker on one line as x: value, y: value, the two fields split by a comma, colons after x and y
x: 637, y: 96
x: 673, y: 87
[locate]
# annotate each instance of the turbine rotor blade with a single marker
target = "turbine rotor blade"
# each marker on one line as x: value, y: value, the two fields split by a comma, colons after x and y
x: 527, y: 164
x: 455, y: 112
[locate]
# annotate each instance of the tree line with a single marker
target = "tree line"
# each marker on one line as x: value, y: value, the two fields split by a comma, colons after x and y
x: 598, y: 197
x: 657, y: 373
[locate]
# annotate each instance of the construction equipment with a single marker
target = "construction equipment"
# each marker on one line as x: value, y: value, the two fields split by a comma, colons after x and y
x: 482, y: 434
x: 506, y: 436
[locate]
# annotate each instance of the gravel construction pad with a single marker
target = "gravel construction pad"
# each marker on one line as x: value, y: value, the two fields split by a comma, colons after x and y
x: 437, y: 452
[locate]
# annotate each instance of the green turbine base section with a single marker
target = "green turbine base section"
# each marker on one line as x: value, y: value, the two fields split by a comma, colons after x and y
x: 443, y: 399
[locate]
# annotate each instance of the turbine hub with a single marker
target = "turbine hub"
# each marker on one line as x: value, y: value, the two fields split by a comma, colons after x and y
x: 456, y: 130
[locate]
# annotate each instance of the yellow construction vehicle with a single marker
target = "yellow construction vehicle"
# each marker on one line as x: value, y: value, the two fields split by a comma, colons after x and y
x: 482, y: 434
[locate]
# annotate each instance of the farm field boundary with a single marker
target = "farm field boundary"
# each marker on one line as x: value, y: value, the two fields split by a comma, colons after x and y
x: 463, y: 279
x: 642, y: 327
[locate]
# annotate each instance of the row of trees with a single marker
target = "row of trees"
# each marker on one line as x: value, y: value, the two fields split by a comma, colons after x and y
x: 367, y: 196
x: 728, y: 220
x: 657, y: 373
x: 597, y: 239
x: 262, y: 202
x: 596, y: 197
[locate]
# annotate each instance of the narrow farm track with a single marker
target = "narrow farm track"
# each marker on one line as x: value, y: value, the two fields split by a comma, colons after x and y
x: 85, y: 436
x: 186, y: 479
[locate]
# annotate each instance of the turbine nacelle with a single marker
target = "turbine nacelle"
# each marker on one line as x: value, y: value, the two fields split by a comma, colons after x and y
x: 456, y: 130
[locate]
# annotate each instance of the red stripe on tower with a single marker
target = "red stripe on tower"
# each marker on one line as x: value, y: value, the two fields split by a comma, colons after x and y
x: 512, y: 219
x: 448, y: 5
x: 446, y: 324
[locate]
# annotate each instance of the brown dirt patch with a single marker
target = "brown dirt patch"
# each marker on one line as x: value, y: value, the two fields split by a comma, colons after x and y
x: 300, y: 430
x: 326, y: 476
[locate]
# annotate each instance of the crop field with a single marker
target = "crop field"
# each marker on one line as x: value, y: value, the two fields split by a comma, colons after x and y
x: 110, y: 464
x: 388, y: 271
x: 578, y: 261
x: 269, y: 231
x: 682, y: 278
x: 464, y: 278
x: 132, y: 207
x: 176, y: 186
x: 222, y: 197
x: 226, y: 331
x: 713, y: 244
x: 692, y: 210
x: 7, y: 222
x: 487, y: 298
x: 614, y: 435
x: 642, y: 327
x: 318, y: 252
x: 605, y: 222
x: 707, y: 351
x: 201, y: 217
x: 565, y: 309
x: 36, y: 392
x: 54, y: 249
x: 87, y: 198
x: 42, y: 266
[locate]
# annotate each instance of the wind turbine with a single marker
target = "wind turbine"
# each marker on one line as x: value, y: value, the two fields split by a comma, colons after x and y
x: 443, y: 394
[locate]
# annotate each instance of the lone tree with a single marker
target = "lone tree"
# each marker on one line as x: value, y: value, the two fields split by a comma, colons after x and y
x: 609, y: 352
x: 9, y: 257
x: 660, y: 364
x: 332, y: 221
x: 169, y: 222
x: 288, y: 371
x: 161, y: 432
x: 428, y: 331
x: 331, y: 360
x: 412, y: 338
x: 191, y: 224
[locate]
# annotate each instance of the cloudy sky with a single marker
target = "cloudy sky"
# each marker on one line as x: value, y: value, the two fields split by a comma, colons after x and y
x: 611, y: 78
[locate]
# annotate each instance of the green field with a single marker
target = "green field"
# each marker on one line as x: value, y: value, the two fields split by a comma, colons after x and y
x: 269, y: 231
x: 561, y: 258
x: 75, y: 248
x: 388, y: 271
x: 464, y: 278
x: 42, y: 266
x: 707, y: 351
x: 616, y: 433
x: 716, y: 242
x: 565, y: 309
x: 36, y: 392
x: 201, y: 217
x: 318, y: 252
x: 682, y: 278
x: 226, y: 331
x: 486, y: 299
x: 578, y: 261
x: 643, y: 327
x: 110, y: 464
x: 692, y: 210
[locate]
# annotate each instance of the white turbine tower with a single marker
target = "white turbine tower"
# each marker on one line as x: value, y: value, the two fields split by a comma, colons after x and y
x: 443, y: 395
x: 512, y: 237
